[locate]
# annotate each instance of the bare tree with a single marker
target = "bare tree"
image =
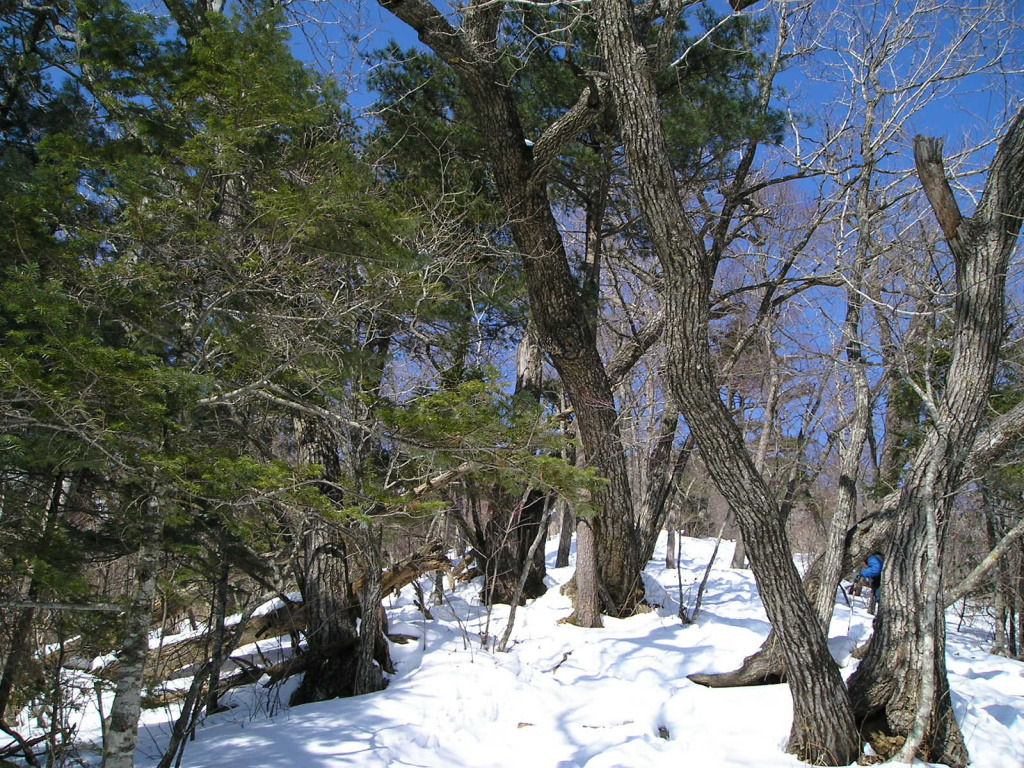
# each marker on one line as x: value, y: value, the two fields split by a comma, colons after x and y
x: 903, y: 678
x: 886, y: 68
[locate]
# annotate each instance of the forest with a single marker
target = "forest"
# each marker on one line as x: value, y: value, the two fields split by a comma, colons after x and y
x: 314, y: 301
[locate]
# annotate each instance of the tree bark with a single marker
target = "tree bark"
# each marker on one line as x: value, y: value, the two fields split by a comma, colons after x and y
x: 566, y: 521
x: 374, y: 655
x: 510, y: 528
x: 123, y: 729
x: 586, y: 582
x: 906, y: 660
x: 19, y: 649
x: 332, y: 640
x: 218, y: 635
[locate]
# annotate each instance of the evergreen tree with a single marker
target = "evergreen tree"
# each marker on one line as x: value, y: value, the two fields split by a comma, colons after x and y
x: 516, y: 89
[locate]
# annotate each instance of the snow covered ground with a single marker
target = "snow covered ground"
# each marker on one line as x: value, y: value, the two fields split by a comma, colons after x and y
x: 564, y: 697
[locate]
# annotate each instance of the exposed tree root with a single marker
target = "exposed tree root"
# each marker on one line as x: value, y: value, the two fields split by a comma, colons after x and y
x: 764, y: 667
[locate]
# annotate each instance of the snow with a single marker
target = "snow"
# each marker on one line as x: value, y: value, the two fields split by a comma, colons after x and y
x: 565, y: 697
x: 268, y: 607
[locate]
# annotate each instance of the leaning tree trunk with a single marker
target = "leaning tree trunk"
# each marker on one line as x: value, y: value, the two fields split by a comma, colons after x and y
x: 873, y: 533
x: 902, y: 682
x: 823, y: 727
x: 767, y: 666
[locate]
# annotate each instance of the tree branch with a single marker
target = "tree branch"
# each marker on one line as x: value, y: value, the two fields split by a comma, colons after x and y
x: 932, y: 172
x: 971, y: 581
x: 997, y: 437
x: 627, y: 356
x: 1001, y: 209
x: 442, y: 479
x: 101, y: 607
x: 432, y: 28
x: 557, y: 135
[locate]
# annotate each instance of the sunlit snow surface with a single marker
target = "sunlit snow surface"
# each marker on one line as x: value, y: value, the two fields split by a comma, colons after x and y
x: 564, y: 697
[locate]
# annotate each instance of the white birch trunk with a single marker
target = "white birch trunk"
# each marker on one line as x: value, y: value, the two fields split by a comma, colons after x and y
x: 123, y: 728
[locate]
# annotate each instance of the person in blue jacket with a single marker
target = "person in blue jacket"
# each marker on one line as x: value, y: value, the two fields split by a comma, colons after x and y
x: 872, y: 572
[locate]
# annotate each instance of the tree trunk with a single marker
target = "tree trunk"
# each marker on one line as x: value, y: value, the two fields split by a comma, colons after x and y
x: 572, y: 346
x: 739, y: 555
x: 1018, y: 648
x: 852, y: 450
x: 530, y: 364
x: 19, y: 647
x: 559, y: 309
x: 374, y: 656
x: 823, y: 727
x: 511, y: 525
x: 566, y: 521
x: 873, y: 533
x: 218, y: 635
x: 664, y: 473
x: 509, y: 530
x: 992, y: 533
x: 536, y: 549
x: 586, y: 581
x: 332, y: 640
x: 123, y: 729
x: 906, y: 661
x: 902, y: 682
x: 670, y: 543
